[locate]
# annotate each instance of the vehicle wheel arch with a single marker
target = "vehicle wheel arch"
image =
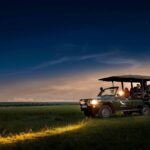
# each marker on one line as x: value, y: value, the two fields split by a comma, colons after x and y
x: 146, y: 109
x: 110, y: 105
x: 107, y: 108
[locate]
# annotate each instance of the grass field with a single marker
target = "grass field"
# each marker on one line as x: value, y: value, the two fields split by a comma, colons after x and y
x: 65, y: 127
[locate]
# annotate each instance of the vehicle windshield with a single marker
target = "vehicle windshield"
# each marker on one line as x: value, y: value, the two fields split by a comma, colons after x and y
x: 109, y: 92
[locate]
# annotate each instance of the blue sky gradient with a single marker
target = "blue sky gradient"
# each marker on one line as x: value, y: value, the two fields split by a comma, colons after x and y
x: 45, y: 40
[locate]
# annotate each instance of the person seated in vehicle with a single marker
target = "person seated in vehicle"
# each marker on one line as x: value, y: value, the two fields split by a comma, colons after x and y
x: 137, y: 91
x: 147, y: 91
x: 131, y: 92
x: 138, y: 88
x: 126, y: 93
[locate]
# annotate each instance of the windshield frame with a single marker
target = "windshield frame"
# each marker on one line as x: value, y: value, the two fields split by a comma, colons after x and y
x: 115, y: 88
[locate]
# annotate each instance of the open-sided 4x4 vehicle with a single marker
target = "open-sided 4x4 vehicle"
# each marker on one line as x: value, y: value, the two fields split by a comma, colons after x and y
x: 112, y: 99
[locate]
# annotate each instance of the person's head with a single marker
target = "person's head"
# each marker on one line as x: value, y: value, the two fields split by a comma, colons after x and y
x: 101, y: 89
x: 126, y: 89
x: 138, y: 85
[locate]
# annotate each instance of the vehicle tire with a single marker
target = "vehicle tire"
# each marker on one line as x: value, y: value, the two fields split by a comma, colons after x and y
x: 145, y: 110
x: 105, y: 112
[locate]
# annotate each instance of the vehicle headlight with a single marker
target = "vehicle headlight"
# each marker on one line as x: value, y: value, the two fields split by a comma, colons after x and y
x: 94, y: 102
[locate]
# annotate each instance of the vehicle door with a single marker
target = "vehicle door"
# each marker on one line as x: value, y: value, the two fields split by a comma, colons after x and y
x: 122, y: 103
x: 137, y: 103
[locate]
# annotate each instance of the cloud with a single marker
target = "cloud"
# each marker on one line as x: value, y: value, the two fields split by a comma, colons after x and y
x: 22, y: 99
x: 68, y: 59
x: 64, y: 88
x: 108, y: 59
x: 130, y: 62
x: 50, y: 63
x: 93, y: 56
x: 74, y: 87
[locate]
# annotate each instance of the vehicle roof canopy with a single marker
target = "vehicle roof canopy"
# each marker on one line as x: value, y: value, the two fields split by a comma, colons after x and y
x: 127, y: 78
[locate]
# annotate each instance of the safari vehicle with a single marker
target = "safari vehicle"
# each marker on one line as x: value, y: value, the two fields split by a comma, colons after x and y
x: 111, y: 100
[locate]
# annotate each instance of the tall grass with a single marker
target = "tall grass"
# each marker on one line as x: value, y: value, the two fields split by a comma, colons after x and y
x: 14, y: 120
x: 11, y: 139
x: 65, y: 130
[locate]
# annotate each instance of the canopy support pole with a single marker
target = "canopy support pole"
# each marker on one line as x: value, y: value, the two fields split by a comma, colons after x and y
x: 131, y: 85
x: 112, y: 83
x: 122, y: 85
x: 142, y: 87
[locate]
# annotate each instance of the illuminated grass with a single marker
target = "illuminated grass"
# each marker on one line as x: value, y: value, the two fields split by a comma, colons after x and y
x: 61, y: 128
x: 15, y: 120
x: 43, y: 133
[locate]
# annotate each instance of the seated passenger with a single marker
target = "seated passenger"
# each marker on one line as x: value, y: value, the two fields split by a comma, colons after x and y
x: 137, y: 91
x: 147, y: 91
x: 137, y: 88
x: 126, y: 93
x: 131, y: 92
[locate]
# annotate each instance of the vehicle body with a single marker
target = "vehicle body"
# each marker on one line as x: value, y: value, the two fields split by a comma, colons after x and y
x: 111, y: 100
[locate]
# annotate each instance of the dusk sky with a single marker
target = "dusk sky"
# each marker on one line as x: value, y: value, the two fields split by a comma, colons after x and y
x: 56, y: 50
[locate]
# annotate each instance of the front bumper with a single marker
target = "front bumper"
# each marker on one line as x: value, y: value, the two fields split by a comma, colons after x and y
x: 86, y: 106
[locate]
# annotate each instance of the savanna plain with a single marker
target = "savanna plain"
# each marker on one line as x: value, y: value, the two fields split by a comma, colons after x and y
x: 64, y: 126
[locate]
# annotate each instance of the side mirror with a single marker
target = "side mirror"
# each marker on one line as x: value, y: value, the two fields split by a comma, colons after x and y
x: 101, y: 89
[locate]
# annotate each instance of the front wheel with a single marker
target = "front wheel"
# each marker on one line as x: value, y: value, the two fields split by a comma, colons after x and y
x: 105, y: 112
x: 145, y: 110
